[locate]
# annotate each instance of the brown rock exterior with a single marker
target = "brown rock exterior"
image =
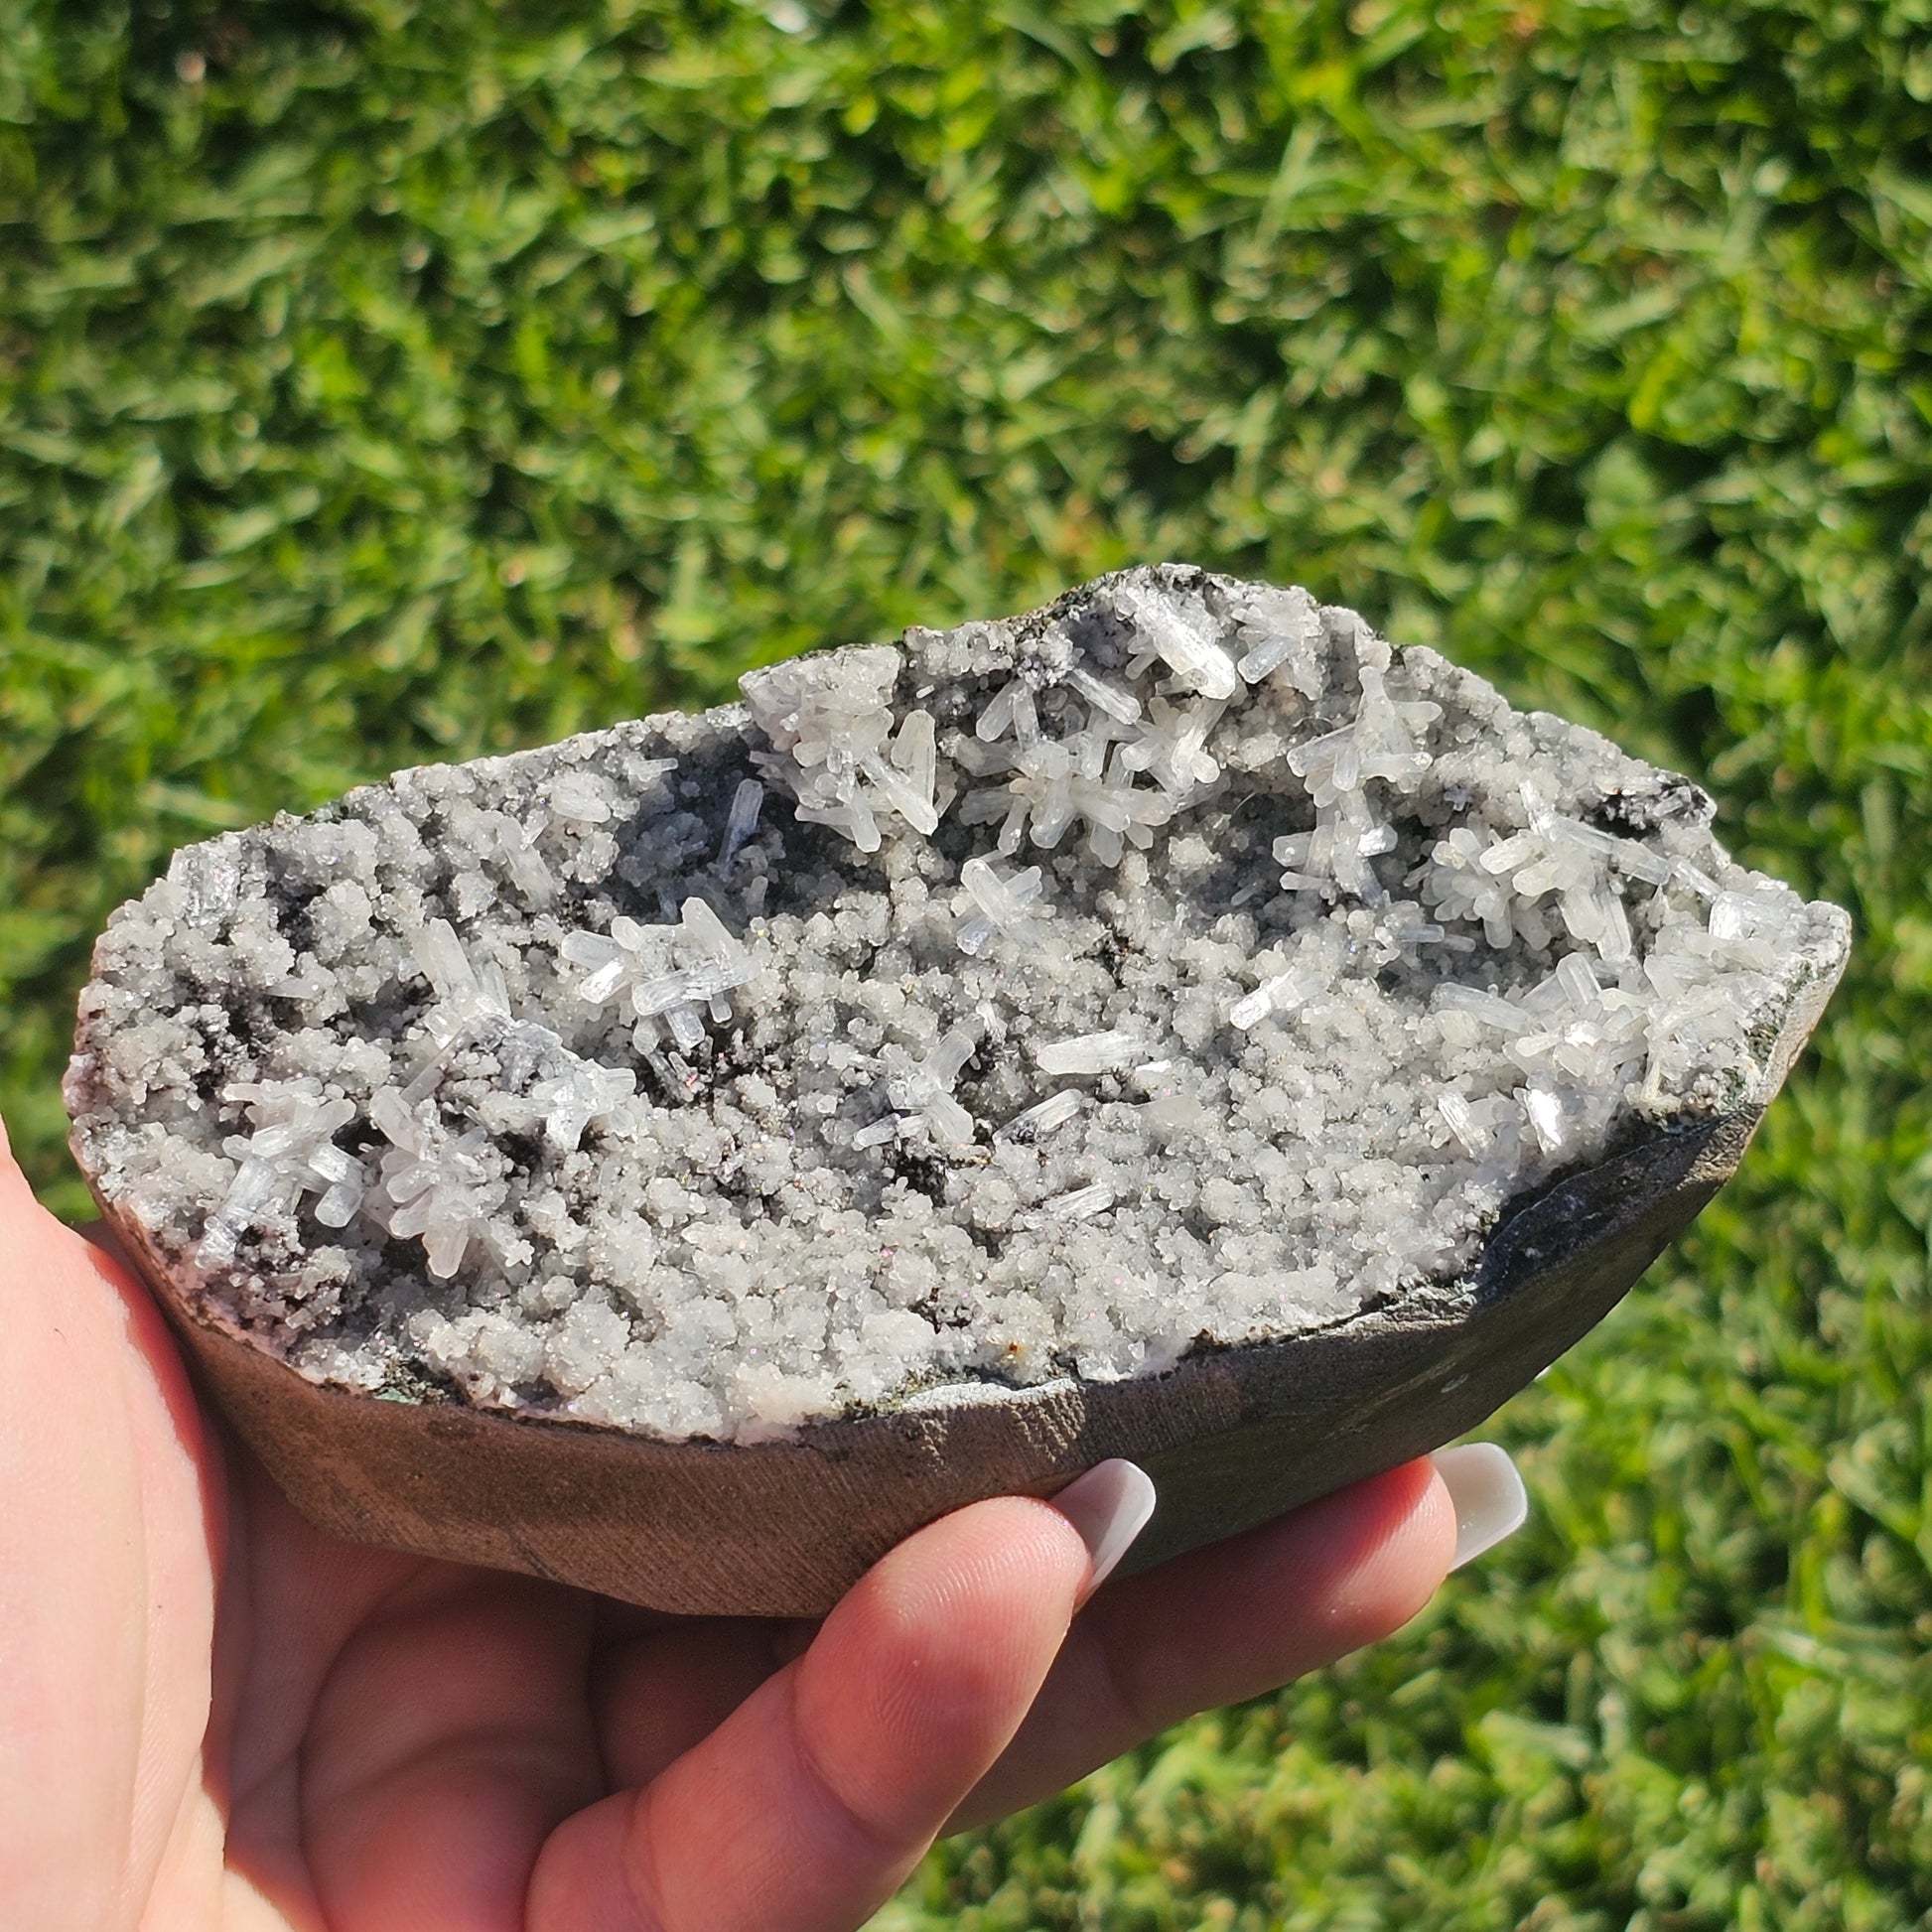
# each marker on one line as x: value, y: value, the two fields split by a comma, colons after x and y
x: 1230, y: 1438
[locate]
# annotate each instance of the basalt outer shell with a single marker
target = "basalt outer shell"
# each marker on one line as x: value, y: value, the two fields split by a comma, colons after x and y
x: 1230, y: 1437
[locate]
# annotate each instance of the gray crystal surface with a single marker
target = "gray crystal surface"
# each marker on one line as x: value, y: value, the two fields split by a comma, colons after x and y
x: 1179, y: 965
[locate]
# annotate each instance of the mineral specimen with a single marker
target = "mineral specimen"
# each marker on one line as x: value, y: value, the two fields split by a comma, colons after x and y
x: 1176, y: 968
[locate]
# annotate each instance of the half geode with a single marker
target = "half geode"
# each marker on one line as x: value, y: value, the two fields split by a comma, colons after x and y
x: 1173, y: 1023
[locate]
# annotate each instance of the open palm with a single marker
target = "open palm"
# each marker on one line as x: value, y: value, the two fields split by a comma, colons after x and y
x: 213, y: 1716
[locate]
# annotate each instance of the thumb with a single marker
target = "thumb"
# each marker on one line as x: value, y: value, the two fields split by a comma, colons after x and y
x: 107, y: 1542
x: 814, y: 1799
x: 12, y: 1181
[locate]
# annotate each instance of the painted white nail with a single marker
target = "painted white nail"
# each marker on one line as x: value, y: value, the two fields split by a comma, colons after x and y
x: 1490, y: 1500
x: 1107, y: 1507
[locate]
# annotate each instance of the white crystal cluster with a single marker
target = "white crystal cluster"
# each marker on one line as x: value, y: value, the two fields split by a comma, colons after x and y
x: 1179, y: 962
x: 829, y: 721
x: 291, y: 1152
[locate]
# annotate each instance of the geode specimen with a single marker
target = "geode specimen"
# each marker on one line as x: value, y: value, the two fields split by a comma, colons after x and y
x: 1174, y: 1022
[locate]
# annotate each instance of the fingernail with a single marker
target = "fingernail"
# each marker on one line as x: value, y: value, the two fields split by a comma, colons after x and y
x: 1107, y: 1507
x: 1490, y: 1500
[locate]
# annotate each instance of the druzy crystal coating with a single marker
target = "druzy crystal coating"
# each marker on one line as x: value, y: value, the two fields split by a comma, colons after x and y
x: 1179, y: 965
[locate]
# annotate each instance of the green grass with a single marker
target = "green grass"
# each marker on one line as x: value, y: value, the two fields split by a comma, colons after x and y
x: 380, y: 384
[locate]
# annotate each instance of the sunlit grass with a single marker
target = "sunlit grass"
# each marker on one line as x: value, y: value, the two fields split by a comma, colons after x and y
x: 380, y: 385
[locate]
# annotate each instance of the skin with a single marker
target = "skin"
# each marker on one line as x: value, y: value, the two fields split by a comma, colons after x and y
x: 213, y: 1715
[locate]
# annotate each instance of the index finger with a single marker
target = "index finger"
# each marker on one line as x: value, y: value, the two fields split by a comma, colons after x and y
x: 820, y: 1792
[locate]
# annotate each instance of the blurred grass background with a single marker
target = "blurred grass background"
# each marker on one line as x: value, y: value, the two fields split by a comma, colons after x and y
x: 382, y: 384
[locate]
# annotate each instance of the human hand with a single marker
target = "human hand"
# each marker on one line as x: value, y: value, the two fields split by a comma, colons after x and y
x: 212, y: 1715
